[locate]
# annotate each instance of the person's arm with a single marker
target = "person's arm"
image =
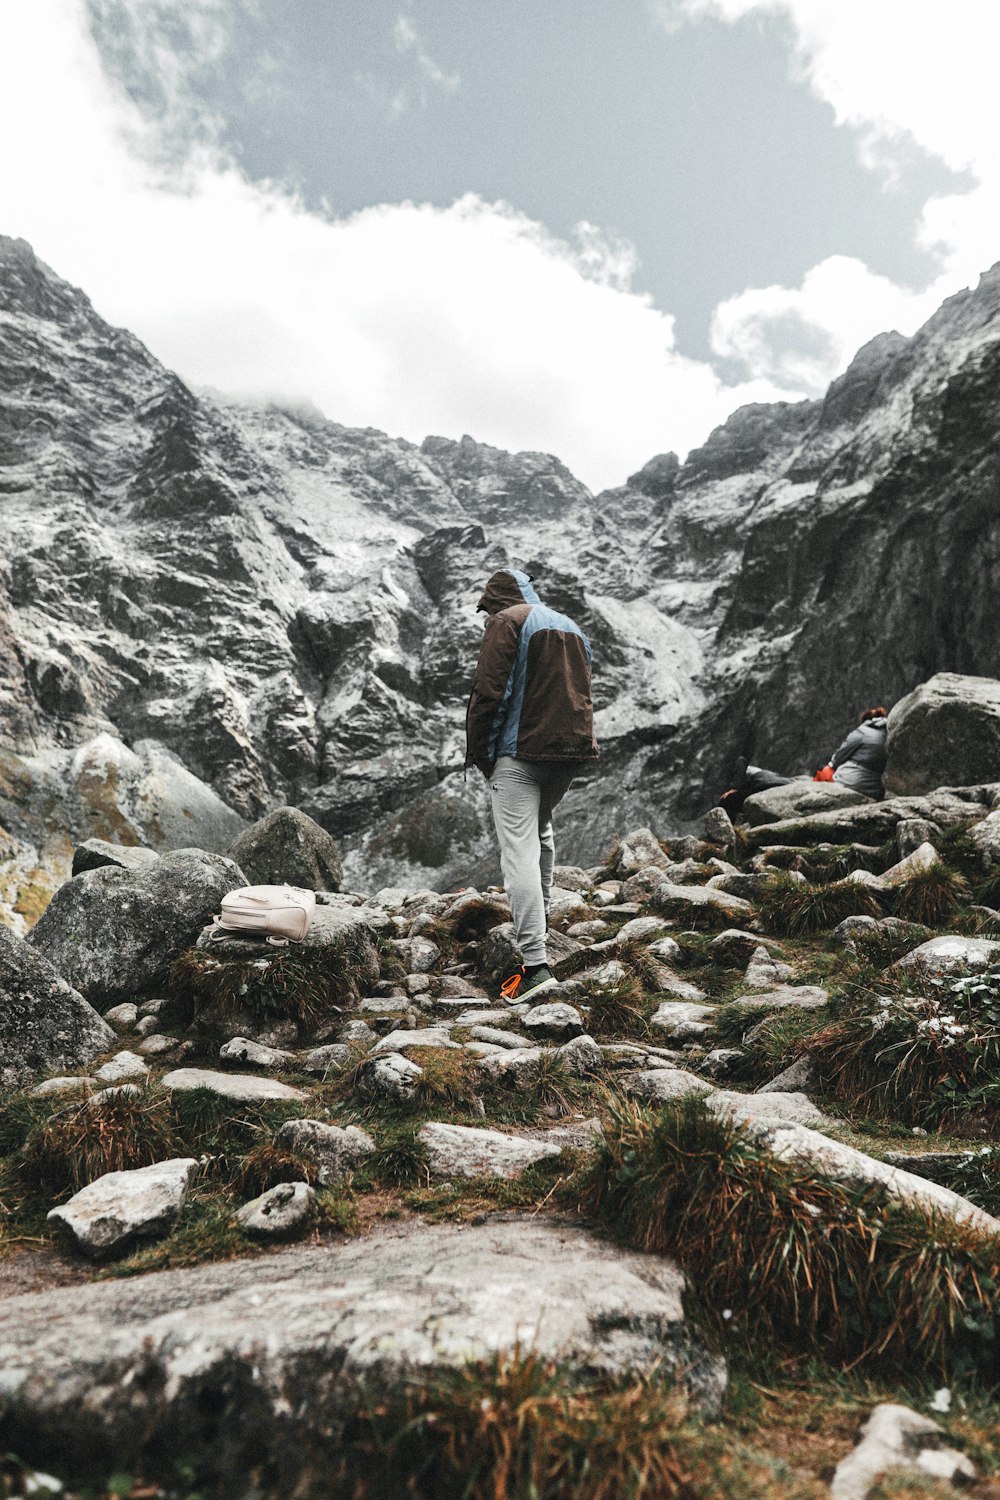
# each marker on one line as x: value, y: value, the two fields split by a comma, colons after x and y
x: 496, y: 658
x: 844, y: 752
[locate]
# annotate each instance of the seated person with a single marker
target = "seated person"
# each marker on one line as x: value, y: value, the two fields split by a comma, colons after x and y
x: 858, y: 763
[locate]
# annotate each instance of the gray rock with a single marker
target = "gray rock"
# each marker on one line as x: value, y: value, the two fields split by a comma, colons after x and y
x: 282, y: 1213
x: 518, y: 1068
x: 356, y: 1033
x: 392, y: 1076
x: 923, y: 858
x: 107, y: 1215
x: 895, y: 1438
x: 697, y: 896
x: 462, y: 1151
x: 334, y: 1150
x: 498, y: 1037
x: 45, y: 1024
x: 797, y: 1077
x: 93, y: 853
x: 122, y: 1017
x: 799, y: 799
x: 722, y: 1062
x: 946, y: 956
x: 764, y: 972
x: 607, y: 893
x: 158, y: 1044
x: 734, y: 947
x: 719, y: 828
x: 73, y: 1085
x: 288, y: 848
x: 553, y: 1019
x: 639, y: 850
x: 683, y: 1020
x: 873, y: 823
x: 122, y: 1067
x: 581, y: 1056
x: 784, y: 997
x: 986, y: 836
x: 451, y: 987
x: 665, y: 949
x: 665, y: 1085
x: 242, y: 1050
x: 402, y: 1041
x: 846, y: 933
x: 571, y: 878
x: 332, y: 1058
x: 776, y: 1104
x: 912, y: 832
x: 114, y: 933
x: 123, y: 1372
x: 643, y: 927
x: 945, y: 733
x: 247, y: 1087
x: 418, y: 953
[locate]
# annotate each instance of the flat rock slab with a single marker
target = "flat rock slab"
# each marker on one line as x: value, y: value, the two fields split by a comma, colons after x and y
x: 109, y: 1213
x: 798, y: 799
x: 243, y: 1086
x: 262, y: 1358
x: 462, y: 1151
x: 946, y: 956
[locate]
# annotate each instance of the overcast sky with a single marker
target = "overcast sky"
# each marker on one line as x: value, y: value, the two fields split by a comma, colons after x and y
x: 591, y: 227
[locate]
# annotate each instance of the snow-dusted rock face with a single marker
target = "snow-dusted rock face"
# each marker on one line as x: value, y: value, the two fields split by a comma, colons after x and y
x: 208, y: 611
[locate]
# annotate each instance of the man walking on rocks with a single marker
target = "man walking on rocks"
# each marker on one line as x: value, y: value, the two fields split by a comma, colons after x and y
x: 530, y: 730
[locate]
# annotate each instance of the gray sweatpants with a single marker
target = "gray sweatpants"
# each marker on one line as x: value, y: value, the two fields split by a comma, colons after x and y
x: 524, y: 792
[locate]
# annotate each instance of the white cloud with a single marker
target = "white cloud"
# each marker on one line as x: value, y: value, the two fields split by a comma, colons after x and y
x: 411, y: 318
x: 898, y: 71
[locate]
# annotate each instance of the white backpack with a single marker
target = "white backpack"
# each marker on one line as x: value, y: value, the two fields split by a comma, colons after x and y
x: 278, y: 913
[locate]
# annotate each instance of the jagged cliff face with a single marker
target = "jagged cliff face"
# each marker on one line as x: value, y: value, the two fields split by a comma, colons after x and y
x: 207, y: 609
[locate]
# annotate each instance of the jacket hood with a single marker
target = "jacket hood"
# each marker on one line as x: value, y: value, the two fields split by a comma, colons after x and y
x: 506, y: 587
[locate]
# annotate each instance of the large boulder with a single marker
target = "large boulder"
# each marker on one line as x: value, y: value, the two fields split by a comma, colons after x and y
x: 46, y: 1026
x: 249, y: 1366
x: 872, y: 823
x: 945, y: 733
x: 289, y: 848
x: 799, y: 799
x: 93, y: 853
x: 114, y: 933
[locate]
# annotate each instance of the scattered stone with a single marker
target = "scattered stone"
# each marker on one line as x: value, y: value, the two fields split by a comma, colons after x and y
x: 847, y: 932
x: 333, y: 1150
x: 332, y: 1058
x: 93, y: 853
x: 798, y: 1076
x: 607, y: 893
x: 247, y: 1087
x: 516, y: 1067
x: 719, y: 828
x: 282, y: 1213
x: 637, y: 851
x: 554, y: 1019
x: 683, y: 1021
x: 581, y: 1056
x: 700, y: 896
x: 45, y: 1024
x: 665, y: 949
x: 734, y: 948
x: 798, y: 799
x: 157, y: 1045
x: 242, y: 1050
x: 764, y: 972
x: 946, y: 956
x: 986, y: 836
x: 894, y: 1438
x: 642, y: 927
x: 463, y: 1151
x: 108, y: 1214
x: 787, y: 1106
x: 923, y: 858
x: 912, y: 832
x: 498, y: 1037
x: 146, y: 1025
x: 417, y: 984
x: 670, y: 983
x: 418, y: 953
x: 114, y: 1376
x: 571, y: 878
x: 722, y: 1062
x: 78, y: 1085
x: 495, y: 1014
x: 114, y: 933
x: 665, y: 1085
x: 451, y: 987
x: 288, y: 848
x: 597, y: 928
x: 393, y: 1076
x: 643, y: 885
x: 356, y: 1033
x: 121, y: 1067
x: 605, y: 976
x: 402, y: 1041
x: 122, y: 1017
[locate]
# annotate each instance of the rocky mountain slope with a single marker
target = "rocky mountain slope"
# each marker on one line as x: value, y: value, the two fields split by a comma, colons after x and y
x: 207, y: 609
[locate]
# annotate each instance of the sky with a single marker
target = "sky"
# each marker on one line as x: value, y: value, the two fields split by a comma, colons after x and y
x: 587, y: 227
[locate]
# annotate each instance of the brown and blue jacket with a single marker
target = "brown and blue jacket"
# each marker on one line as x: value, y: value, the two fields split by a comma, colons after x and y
x: 531, y: 694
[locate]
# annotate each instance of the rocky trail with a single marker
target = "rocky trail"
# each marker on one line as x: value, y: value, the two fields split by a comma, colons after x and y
x: 730, y: 1191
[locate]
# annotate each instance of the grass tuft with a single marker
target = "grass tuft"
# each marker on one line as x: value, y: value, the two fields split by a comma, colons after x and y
x: 281, y: 985
x: 931, y: 896
x: 792, y: 910
x: 801, y: 1259
x: 615, y: 1010
x: 115, y: 1134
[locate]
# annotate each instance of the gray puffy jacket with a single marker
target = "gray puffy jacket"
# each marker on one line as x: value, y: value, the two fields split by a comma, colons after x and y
x: 860, y: 761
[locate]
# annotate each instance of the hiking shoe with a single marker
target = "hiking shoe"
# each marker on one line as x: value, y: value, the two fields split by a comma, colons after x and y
x: 524, y: 982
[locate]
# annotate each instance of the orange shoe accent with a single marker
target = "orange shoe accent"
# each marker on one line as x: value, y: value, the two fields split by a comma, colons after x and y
x: 512, y: 986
